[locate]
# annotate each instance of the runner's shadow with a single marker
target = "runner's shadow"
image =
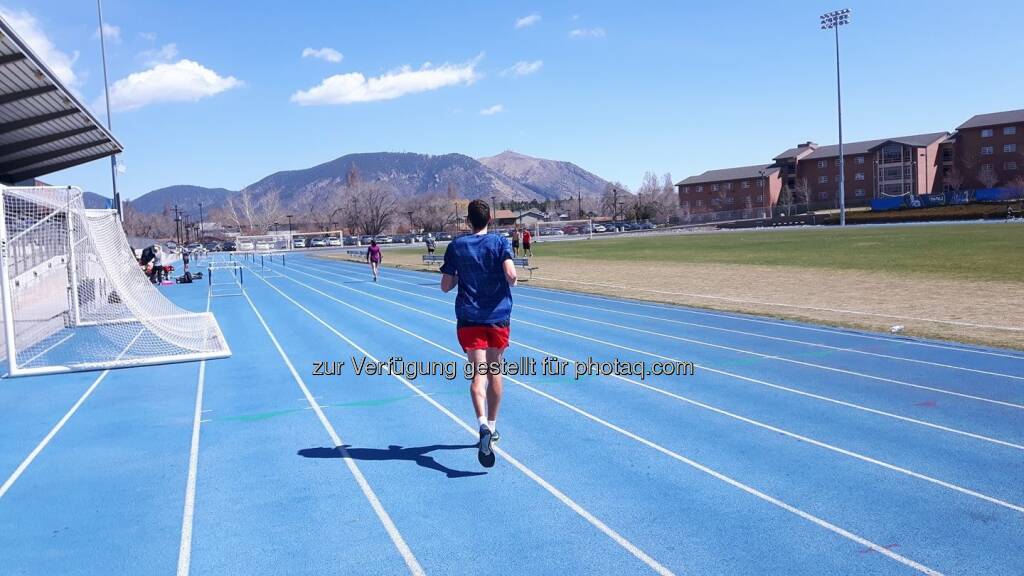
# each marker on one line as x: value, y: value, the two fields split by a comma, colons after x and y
x: 416, y: 454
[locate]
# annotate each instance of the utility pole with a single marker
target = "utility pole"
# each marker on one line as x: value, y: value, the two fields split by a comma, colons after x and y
x: 199, y: 233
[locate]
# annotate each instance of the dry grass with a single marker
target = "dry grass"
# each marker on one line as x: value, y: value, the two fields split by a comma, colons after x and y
x: 867, y: 300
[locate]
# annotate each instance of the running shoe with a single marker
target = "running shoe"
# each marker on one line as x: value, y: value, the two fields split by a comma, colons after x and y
x: 495, y: 436
x: 484, y: 453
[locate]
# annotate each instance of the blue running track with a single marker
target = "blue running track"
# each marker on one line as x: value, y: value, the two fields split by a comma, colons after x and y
x: 793, y: 449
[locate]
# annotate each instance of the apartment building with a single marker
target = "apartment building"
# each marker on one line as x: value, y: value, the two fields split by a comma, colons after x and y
x: 747, y: 188
x: 988, y: 151
x: 985, y: 152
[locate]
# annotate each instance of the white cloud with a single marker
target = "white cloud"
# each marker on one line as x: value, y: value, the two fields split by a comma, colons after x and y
x: 587, y: 33
x: 183, y: 81
x: 110, y: 32
x: 523, y: 68
x: 354, y: 87
x: 527, y: 21
x: 161, y: 55
x: 492, y: 110
x: 150, y: 36
x: 327, y: 54
x: 59, y: 62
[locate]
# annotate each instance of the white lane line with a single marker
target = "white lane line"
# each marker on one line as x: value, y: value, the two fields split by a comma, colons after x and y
x: 696, y: 465
x: 60, y: 424
x: 794, y: 435
x: 371, y: 496
x: 737, y: 317
x: 725, y: 373
x: 185, y: 545
x: 774, y: 357
x: 756, y: 334
x: 777, y: 338
x: 558, y: 494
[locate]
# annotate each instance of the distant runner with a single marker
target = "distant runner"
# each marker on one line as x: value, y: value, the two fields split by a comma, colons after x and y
x: 480, y: 264
x: 373, y: 256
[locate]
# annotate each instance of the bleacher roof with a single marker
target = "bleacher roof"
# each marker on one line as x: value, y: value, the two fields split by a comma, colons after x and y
x: 43, y: 126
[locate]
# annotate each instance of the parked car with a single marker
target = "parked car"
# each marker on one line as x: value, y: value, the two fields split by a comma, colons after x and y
x: 318, y: 243
x: 246, y: 245
x: 646, y: 226
x: 365, y: 239
x: 229, y: 246
x: 350, y: 241
x: 599, y: 228
x: 443, y: 236
x: 333, y: 241
x: 264, y: 245
x: 298, y: 243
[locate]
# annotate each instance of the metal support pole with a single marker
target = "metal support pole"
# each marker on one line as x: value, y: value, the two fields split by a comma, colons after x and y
x: 106, y: 92
x: 842, y: 160
x: 5, y: 293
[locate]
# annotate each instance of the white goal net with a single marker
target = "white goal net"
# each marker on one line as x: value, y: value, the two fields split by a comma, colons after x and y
x: 75, y: 298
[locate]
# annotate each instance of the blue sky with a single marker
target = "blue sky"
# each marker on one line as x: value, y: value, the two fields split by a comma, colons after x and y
x: 221, y: 94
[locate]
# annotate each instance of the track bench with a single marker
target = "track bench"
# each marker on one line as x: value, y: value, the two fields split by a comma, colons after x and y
x: 520, y: 262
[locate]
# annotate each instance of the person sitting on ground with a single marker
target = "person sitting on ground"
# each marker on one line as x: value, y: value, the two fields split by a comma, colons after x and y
x: 480, y: 264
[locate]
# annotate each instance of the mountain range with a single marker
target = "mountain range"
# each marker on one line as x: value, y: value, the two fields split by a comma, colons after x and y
x: 506, y: 176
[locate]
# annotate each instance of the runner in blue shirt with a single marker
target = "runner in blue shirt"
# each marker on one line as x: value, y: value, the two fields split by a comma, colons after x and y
x: 481, y: 265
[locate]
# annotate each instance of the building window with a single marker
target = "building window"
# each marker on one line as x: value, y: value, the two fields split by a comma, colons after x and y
x: 986, y: 150
x: 822, y: 163
x: 746, y: 183
x: 947, y: 154
x: 1009, y: 130
x: 760, y: 197
x: 1009, y: 147
x: 728, y: 186
x: 860, y: 159
x: 823, y: 179
x: 760, y: 183
x: 700, y: 188
x: 686, y: 189
x: 730, y: 200
x: 714, y: 187
x: 986, y: 133
x: 823, y: 195
x: 700, y: 203
x: 1011, y: 165
x: 858, y: 176
x: 859, y: 192
x: 906, y: 187
x: 986, y: 167
x: 838, y: 161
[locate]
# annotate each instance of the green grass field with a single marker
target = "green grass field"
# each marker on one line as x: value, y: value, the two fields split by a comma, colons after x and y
x: 964, y: 251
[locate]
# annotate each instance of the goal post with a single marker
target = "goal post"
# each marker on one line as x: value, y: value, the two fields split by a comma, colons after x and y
x: 73, y: 296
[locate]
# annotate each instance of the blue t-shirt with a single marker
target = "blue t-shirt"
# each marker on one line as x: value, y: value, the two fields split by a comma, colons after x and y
x: 477, y: 260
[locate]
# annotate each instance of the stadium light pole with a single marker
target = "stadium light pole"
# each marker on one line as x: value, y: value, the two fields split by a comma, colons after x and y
x: 832, y: 21
x: 106, y: 93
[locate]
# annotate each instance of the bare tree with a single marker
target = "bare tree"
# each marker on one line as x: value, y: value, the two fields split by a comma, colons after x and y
x: 987, y: 176
x: 372, y: 207
x: 953, y: 178
x: 803, y: 192
x: 787, y: 199
x: 429, y: 214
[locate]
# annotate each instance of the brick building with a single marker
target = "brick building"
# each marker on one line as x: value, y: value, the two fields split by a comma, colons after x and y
x: 748, y: 188
x: 986, y: 151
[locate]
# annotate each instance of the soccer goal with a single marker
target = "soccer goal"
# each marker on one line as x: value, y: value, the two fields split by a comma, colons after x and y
x: 561, y: 230
x: 75, y: 298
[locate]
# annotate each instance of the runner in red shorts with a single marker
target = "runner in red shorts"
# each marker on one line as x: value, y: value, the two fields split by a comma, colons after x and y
x: 480, y: 264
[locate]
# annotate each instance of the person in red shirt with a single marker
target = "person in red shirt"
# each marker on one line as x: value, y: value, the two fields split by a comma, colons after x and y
x: 373, y: 256
x: 526, y: 243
